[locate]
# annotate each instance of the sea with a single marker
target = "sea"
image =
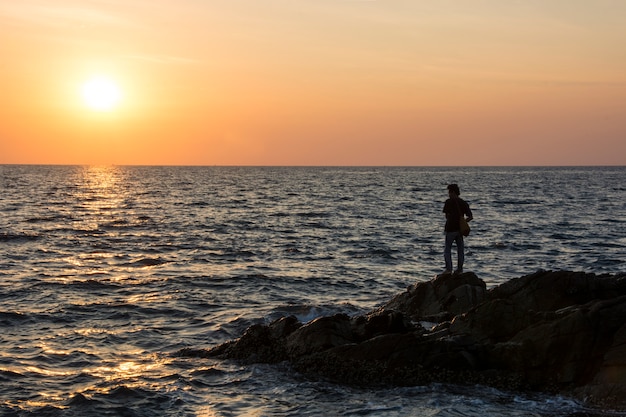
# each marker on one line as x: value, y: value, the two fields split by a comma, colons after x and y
x: 108, y: 273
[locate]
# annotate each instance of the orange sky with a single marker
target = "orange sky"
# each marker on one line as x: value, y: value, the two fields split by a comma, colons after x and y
x: 316, y: 82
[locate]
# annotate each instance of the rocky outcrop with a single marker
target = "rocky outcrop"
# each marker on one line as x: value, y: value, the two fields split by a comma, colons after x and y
x: 559, y: 332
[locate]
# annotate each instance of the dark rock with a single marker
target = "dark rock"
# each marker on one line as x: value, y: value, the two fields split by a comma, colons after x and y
x: 319, y: 335
x: 560, y: 332
x: 439, y: 299
x: 260, y: 344
x: 380, y: 322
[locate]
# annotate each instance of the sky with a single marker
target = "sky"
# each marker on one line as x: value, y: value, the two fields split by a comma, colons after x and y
x: 315, y: 82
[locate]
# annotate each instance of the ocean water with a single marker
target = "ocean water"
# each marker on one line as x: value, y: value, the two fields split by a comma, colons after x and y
x: 106, y: 273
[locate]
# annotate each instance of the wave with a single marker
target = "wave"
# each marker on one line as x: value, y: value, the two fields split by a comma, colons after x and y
x: 86, y: 284
x: 55, y: 218
x: 147, y: 262
x: 19, y: 237
x: 306, y: 312
x: 13, y: 318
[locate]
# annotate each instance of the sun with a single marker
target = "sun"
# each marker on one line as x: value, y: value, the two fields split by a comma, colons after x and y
x: 101, y: 93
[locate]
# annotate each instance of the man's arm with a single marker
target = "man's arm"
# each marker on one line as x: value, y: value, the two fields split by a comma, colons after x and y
x: 468, y: 213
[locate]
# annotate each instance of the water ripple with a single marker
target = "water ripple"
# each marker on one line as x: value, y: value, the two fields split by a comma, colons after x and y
x: 109, y: 273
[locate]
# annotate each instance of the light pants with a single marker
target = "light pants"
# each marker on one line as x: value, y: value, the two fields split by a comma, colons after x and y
x: 460, y: 249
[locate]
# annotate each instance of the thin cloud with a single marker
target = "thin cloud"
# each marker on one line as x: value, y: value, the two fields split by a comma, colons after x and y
x: 164, y: 59
x: 57, y: 16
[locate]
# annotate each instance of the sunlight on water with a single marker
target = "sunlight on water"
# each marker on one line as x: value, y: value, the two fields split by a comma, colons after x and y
x: 49, y: 350
x: 101, y: 180
x: 94, y: 331
x: 207, y: 411
x: 46, y: 372
x: 127, y: 371
x: 99, y: 189
x: 108, y: 272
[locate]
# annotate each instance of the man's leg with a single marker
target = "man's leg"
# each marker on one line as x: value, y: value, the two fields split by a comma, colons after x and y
x: 460, y: 248
x: 447, y: 252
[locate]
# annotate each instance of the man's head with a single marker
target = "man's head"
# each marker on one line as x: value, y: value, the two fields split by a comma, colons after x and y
x: 454, y: 188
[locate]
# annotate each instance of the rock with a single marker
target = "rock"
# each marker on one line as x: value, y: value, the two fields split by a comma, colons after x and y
x: 320, y: 335
x: 559, y: 332
x: 608, y: 386
x: 439, y: 299
x: 259, y: 344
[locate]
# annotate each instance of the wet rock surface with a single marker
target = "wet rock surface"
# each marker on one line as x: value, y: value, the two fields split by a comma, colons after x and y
x: 558, y: 332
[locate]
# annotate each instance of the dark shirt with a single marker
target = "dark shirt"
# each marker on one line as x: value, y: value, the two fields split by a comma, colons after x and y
x: 453, y: 207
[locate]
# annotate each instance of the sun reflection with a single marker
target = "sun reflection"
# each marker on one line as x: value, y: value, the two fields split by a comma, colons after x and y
x: 101, y: 196
x: 100, y: 186
x: 89, y: 331
x: 206, y: 411
x: 128, y: 371
x: 129, y: 374
x: 47, y: 372
x: 47, y: 349
x: 102, y: 176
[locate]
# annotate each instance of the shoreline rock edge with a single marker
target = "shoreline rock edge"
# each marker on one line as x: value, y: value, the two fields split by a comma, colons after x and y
x: 558, y: 332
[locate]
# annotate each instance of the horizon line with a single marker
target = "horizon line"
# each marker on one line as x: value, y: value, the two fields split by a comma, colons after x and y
x: 319, y: 166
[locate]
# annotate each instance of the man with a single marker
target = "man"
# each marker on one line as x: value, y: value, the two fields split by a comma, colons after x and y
x: 454, y: 208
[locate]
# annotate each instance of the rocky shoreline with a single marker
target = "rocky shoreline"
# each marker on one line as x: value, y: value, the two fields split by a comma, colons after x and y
x: 558, y: 332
